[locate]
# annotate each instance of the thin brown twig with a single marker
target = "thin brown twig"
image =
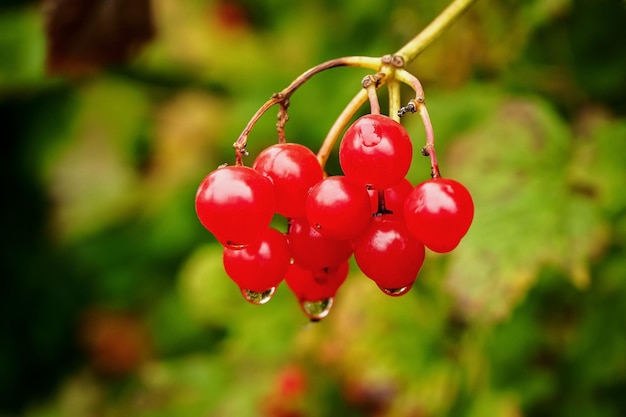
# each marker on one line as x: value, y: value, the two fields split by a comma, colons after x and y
x: 283, y: 97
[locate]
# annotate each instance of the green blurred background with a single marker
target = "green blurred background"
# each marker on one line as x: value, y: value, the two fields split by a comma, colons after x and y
x: 113, y: 299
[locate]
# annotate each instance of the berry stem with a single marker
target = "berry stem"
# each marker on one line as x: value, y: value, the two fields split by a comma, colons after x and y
x: 344, y: 118
x: 394, y: 99
x: 418, y: 104
x: 390, y: 69
x: 429, y: 148
x: 283, y: 117
x: 242, y: 141
x: 283, y: 97
x: 370, y: 84
x: 382, y: 206
x: 411, y: 80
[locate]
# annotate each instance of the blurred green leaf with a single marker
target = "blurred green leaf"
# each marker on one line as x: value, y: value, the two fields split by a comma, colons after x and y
x: 22, y: 48
x: 516, y: 167
x: 93, y: 176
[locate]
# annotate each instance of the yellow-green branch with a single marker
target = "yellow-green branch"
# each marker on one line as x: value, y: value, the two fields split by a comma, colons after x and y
x: 430, y: 33
x: 386, y: 68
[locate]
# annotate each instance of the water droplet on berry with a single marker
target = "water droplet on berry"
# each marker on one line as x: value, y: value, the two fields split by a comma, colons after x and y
x: 396, y: 292
x: 317, y: 310
x: 258, y: 297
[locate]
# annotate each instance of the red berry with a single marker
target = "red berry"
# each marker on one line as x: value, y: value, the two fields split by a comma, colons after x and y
x: 376, y: 151
x: 394, y: 198
x: 236, y: 204
x: 261, y: 265
x: 292, y: 381
x: 294, y: 169
x: 388, y: 254
x: 337, y: 208
x: 439, y: 213
x: 316, y: 285
x: 312, y: 250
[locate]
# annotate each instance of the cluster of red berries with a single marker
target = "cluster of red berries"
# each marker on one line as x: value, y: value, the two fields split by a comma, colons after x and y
x: 372, y: 212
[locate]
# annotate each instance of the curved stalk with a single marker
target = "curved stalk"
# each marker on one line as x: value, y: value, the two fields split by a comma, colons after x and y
x: 388, y: 67
x: 283, y: 97
x: 418, y: 105
x: 392, y: 71
x: 333, y: 134
x: 394, y: 99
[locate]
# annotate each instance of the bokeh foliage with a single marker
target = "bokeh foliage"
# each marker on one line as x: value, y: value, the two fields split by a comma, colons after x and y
x: 114, y: 301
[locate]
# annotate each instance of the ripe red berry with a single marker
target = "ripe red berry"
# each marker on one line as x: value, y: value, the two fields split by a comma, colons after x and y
x: 376, y: 151
x: 316, y: 285
x: 337, y: 208
x: 236, y: 204
x: 292, y: 381
x: 294, y: 169
x: 439, y: 213
x: 312, y: 250
x: 261, y: 265
x: 388, y: 254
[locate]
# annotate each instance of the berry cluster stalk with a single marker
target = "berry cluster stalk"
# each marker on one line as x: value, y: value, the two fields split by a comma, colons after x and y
x: 417, y: 105
x: 389, y: 69
x: 282, y: 98
x: 402, y: 57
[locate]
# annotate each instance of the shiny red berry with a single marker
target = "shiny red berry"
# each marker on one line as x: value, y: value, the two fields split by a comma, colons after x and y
x: 337, y: 208
x: 439, y: 213
x: 376, y: 151
x: 389, y: 254
x: 294, y: 169
x: 261, y: 265
x: 316, y: 285
x: 312, y: 250
x: 236, y: 204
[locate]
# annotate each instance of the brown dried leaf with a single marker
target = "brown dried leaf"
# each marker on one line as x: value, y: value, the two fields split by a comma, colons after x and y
x: 84, y: 36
